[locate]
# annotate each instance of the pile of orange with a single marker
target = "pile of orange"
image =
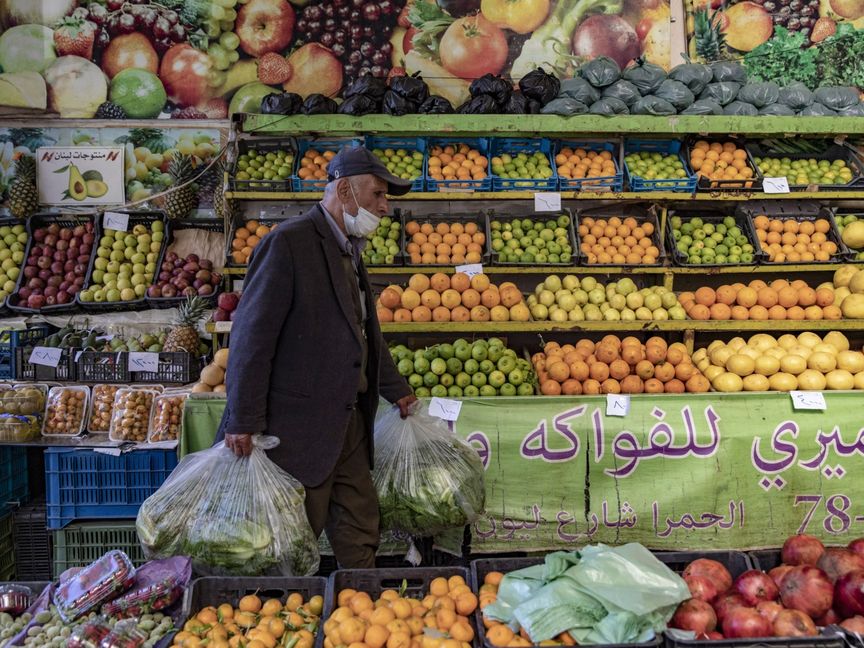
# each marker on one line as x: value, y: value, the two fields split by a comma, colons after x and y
x: 457, y: 162
x: 313, y: 165
x: 246, y: 238
x: 440, y: 620
x: 442, y: 298
x: 444, y: 243
x: 584, y: 163
x: 616, y: 366
x: 617, y: 240
x: 792, y: 240
x: 721, y: 161
x: 758, y: 300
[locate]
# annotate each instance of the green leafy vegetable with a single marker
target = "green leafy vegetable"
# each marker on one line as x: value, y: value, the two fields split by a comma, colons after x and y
x: 839, y: 57
x: 783, y: 59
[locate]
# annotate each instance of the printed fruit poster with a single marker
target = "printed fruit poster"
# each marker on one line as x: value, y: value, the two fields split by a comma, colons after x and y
x: 80, y: 175
x: 142, y: 59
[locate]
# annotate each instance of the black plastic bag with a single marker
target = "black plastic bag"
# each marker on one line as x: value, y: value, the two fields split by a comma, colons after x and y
x: 676, y: 93
x: 565, y: 107
x: 370, y: 86
x: 281, y: 103
x: 724, y: 71
x: 435, y: 105
x: 703, y: 107
x: 723, y: 93
x: 480, y: 105
x: 740, y: 108
x: 396, y: 104
x: 837, y: 97
x: 796, y: 95
x: 852, y: 111
x: 358, y: 105
x: 694, y: 75
x: 817, y: 109
x: 645, y: 76
x: 600, y: 72
x: 609, y: 106
x: 494, y: 86
x: 652, y: 105
x: 760, y: 94
x: 413, y: 87
x: 539, y: 86
x: 318, y: 104
x: 519, y: 104
x: 777, y: 110
x: 578, y: 89
x: 623, y: 91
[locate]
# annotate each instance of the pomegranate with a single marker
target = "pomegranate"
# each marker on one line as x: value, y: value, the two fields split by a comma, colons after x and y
x: 745, y: 622
x: 712, y: 570
x: 701, y: 588
x: 727, y: 602
x: 778, y: 573
x: 836, y: 562
x: 829, y: 618
x: 808, y: 589
x: 794, y: 623
x: 769, y: 609
x: 855, y: 624
x: 695, y: 615
x: 849, y: 594
x: 714, y: 636
x: 755, y: 586
x: 802, y: 550
x: 228, y: 301
x: 857, y: 547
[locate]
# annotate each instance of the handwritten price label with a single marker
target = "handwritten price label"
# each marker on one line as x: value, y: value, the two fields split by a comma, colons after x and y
x: 45, y: 356
x: 470, y: 269
x: 802, y: 400
x: 617, y: 404
x: 547, y: 201
x: 116, y: 221
x: 444, y: 408
x: 775, y: 185
x: 143, y: 361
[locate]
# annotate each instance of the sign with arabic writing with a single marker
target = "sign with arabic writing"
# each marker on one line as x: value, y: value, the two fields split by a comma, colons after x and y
x: 80, y: 175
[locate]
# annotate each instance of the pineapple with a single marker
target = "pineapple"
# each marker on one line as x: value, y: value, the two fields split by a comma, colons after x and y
x: 180, y: 199
x: 710, y: 41
x: 214, y: 184
x: 23, y: 195
x: 184, y: 336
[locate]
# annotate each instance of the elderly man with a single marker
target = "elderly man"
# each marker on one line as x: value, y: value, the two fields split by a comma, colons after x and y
x: 307, y: 358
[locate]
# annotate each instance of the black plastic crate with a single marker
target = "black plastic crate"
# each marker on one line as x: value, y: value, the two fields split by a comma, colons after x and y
x: 213, y: 590
x: 832, y: 152
x: 641, y: 212
x: 839, y: 212
x: 713, y: 216
x: 177, y: 367
x: 102, y: 367
x: 11, y: 340
x: 12, y: 222
x: 535, y: 217
x: 706, y: 184
x: 479, y: 219
x: 32, y: 542
x: 798, y: 211
x: 65, y: 370
x: 264, y: 146
x: 765, y: 559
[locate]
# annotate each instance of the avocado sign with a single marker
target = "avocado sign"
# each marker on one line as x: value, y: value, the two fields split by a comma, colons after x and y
x: 81, y: 175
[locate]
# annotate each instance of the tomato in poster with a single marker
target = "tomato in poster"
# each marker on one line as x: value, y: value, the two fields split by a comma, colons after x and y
x: 520, y: 16
x: 473, y: 46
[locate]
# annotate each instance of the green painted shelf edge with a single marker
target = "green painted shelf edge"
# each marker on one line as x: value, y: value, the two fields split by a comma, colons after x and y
x: 548, y: 125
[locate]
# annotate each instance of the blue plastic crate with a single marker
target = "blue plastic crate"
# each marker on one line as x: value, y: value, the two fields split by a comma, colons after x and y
x: 602, y: 183
x: 13, y: 478
x: 664, y: 147
x: 501, y: 145
x: 480, y: 144
x: 410, y: 143
x: 84, y: 484
x: 320, y: 145
x: 11, y: 340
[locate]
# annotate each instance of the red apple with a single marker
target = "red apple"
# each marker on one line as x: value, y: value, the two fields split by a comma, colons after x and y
x: 855, y: 624
x: 701, y: 588
x: 755, y: 586
x: 794, y: 623
x: 727, y: 602
x: 778, y: 573
x: 184, y: 73
x: 743, y: 622
x: 801, y: 550
x: 769, y: 609
x: 808, y: 589
x: 228, y: 301
x: 264, y: 26
x: 712, y: 570
x: 694, y: 615
x: 837, y: 562
x: 129, y: 51
x: 849, y: 594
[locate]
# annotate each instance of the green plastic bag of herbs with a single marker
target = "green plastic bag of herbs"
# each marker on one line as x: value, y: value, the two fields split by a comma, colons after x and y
x: 427, y: 479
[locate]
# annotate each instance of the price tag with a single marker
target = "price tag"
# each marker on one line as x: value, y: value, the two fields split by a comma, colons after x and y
x: 617, y: 404
x: 222, y: 327
x: 45, y: 356
x: 116, y: 221
x: 808, y: 400
x: 547, y: 201
x: 414, y: 557
x: 143, y: 361
x: 470, y: 269
x: 444, y: 408
x: 775, y: 185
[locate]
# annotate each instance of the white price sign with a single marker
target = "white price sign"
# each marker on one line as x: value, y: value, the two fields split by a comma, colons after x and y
x: 470, y: 269
x: 45, y: 356
x: 445, y: 408
x: 617, y: 404
x: 808, y: 400
x: 116, y: 221
x: 143, y: 361
x: 547, y: 201
x: 775, y: 185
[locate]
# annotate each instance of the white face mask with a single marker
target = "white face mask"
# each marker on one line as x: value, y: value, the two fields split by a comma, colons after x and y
x: 361, y: 225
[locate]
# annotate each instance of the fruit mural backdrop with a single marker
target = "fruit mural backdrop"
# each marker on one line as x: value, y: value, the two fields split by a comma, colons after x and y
x: 206, y: 58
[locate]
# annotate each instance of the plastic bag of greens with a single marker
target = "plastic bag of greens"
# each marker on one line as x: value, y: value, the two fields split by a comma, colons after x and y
x: 435, y: 105
x: 852, y: 111
x: 396, y: 104
x: 600, y: 72
x: 358, y: 105
x: 676, y: 93
x: 760, y: 94
x: 519, y: 104
x: 837, y: 97
x: 281, y: 103
x: 609, y: 106
x: 539, y: 86
x: 652, y: 105
x: 817, y: 109
x: 427, y: 479
x: 413, y: 88
x: 565, y: 107
x: 623, y: 91
x: 778, y: 110
x: 740, y: 108
x: 480, y: 105
x: 796, y: 95
x: 703, y: 107
x: 694, y: 75
x: 318, y: 104
x: 645, y: 76
x: 723, y: 92
x: 729, y: 71
x: 231, y: 515
x: 370, y: 86
x: 580, y: 90
x: 494, y: 86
